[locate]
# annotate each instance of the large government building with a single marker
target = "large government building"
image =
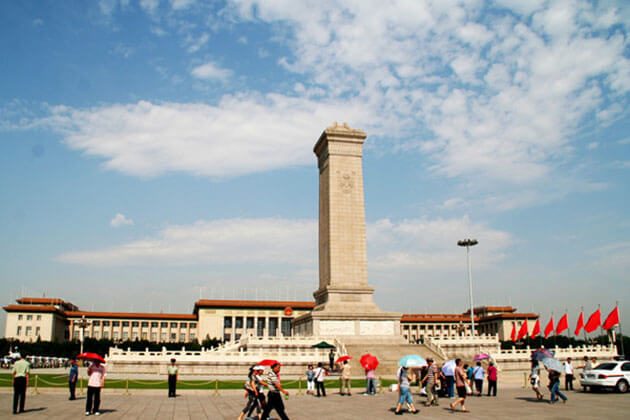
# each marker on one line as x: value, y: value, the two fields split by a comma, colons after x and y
x: 53, y: 319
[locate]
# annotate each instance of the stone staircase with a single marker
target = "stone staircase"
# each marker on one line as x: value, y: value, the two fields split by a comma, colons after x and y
x: 388, y: 355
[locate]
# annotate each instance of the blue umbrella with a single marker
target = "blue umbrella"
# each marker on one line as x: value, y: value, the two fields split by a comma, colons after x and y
x: 552, y: 364
x: 412, y: 361
x: 542, y: 354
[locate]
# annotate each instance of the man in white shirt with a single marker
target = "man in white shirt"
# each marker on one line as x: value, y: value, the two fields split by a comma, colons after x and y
x: 568, y: 375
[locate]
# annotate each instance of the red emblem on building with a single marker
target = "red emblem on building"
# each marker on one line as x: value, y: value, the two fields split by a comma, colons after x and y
x: 288, y: 311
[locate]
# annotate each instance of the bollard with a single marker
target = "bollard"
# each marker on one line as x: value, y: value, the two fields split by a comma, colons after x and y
x: 35, y: 390
x: 81, y: 386
x: 524, y: 380
x: 300, y: 385
x: 216, y: 388
x: 127, y: 387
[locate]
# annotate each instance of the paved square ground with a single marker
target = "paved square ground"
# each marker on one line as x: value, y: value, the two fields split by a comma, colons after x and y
x: 511, y: 403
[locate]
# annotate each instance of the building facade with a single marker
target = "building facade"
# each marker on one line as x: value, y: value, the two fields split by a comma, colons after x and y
x: 53, y: 319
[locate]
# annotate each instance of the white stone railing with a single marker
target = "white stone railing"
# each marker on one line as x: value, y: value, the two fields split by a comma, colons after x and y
x: 599, y: 351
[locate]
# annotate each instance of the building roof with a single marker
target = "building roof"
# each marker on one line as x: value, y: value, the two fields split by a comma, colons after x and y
x: 486, y: 309
x: 253, y: 304
x: 511, y: 316
x: 47, y: 301
x: 32, y: 308
x: 131, y: 315
x: 434, y: 318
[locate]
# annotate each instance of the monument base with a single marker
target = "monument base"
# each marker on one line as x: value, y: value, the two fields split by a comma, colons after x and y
x: 350, y: 327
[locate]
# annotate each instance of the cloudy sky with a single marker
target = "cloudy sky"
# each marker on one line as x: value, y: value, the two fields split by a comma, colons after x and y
x: 155, y: 151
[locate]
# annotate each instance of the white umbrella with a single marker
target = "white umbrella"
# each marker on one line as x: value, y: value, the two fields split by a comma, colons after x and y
x: 448, y: 368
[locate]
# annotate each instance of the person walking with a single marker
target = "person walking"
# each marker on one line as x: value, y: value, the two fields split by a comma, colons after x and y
x: 404, y: 393
x: 251, y: 393
x: 310, y: 380
x: 554, y: 387
x: 370, y: 376
x: 430, y: 380
x: 493, y: 374
x: 274, y: 400
x: 568, y: 375
x: 478, y: 375
x: 345, y: 378
x: 96, y: 381
x: 448, y: 370
x: 320, y: 376
x: 20, y: 371
x: 460, y: 383
x: 172, y: 371
x: 73, y: 377
x: 534, y: 379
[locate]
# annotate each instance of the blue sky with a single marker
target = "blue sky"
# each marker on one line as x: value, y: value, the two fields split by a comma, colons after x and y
x: 154, y: 151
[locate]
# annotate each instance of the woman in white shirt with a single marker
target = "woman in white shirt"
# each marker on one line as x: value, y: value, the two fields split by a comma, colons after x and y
x: 96, y: 381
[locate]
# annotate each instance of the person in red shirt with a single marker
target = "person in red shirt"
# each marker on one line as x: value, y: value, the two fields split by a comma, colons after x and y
x: 492, y: 379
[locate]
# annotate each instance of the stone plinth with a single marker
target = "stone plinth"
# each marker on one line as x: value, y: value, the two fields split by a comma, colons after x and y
x: 344, y: 300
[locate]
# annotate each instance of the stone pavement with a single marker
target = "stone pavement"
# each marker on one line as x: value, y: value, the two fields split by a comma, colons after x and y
x: 511, y: 403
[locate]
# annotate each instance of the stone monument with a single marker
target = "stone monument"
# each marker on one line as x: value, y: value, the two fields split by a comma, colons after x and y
x: 344, y: 300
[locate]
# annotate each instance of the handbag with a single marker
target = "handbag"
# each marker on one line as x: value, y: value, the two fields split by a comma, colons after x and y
x: 468, y: 390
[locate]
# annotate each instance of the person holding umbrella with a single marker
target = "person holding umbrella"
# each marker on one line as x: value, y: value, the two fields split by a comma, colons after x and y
x: 172, y: 378
x: 73, y: 377
x: 554, y: 387
x: 96, y: 381
x: 345, y: 378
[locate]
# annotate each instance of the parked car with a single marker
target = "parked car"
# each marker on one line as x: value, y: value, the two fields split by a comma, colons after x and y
x: 611, y: 375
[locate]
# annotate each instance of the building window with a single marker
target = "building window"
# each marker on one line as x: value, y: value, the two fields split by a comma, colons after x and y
x: 285, y: 328
x: 106, y: 335
x: 37, y: 331
x: 135, y: 324
x: 163, y: 336
x: 273, y: 327
x: 154, y: 325
x: 115, y: 336
x: 193, y: 325
x: 250, y: 322
x: 145, y: 324
x: 125, y: 335
x: 173, y: 336
x: 29, y: 317
x: 19, y: 330
x: 19, y: 317
x: 105, y: 323
x: 237, y: 336
x: 192, y: 336
x: 96, y: 322
x: 115, y: 323
x: 260, y: 328
x: 227, y: 322
x: 153, y: 336
x: 173, y: 324
x: 28, y: 331
x: 163, y: 324
x: 144, y: 335
x: 226, y: 337
x: 39, y: 317
x: 96, y: 335
x: 125, y: 323
x: 239, y: 322
x: 134, y: 336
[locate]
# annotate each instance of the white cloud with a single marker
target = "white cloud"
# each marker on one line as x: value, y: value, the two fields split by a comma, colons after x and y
x: 393, y: 247
x: 195, y: 44
x: 500, y: 95
x: 210, y: 71
x: 242, y: 134
x: 120, y: 220
x: 150, y: 6
x: 181, y: 4
x: 592, y: 145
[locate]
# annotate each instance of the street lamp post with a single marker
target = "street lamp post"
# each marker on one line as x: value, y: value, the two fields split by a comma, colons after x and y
x: 468, y: 243
x: 82, y: 324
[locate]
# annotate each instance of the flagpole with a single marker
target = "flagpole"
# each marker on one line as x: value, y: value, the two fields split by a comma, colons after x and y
x: 601, y: 328
x: 583, y: 330
x: 623, y: 352
x: 566, y: 311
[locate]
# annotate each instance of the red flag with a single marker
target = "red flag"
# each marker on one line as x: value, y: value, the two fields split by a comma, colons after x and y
x: 612, y: 319
x: 549, y: 327
x: 513, y: 333
x: 536, y: 329
x: 563, y: 324
x: 522, y: 332
x: 594, y: 321
x: 580, y: 324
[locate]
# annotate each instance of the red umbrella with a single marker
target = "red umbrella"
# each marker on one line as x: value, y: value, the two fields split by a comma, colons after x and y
x: 369, y: 361
x: 343, y: 359
x: 268, y: 362
x: 91, y: 356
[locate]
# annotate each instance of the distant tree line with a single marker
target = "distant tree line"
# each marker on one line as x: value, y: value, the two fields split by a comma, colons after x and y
x: 72, y: 348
